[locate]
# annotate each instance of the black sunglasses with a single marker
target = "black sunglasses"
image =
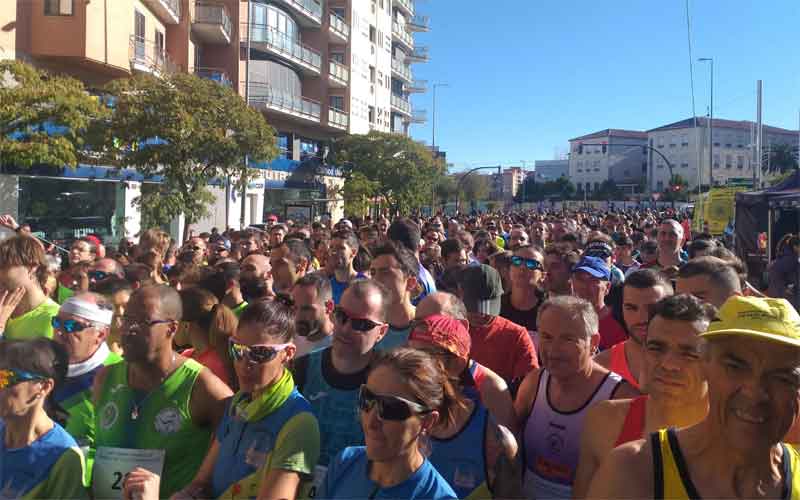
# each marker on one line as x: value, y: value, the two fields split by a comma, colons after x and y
x: 392, y: 408
x: 358, y: 324
x: 531, y: 264
x: 98, y: 275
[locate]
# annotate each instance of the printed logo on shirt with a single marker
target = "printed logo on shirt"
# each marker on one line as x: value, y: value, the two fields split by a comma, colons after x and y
x: 556, y: 443
x: 255, y: 458
x: 109, y: 415
x: 465, y: 477
x: 168, y: 421
x: 319, y: 395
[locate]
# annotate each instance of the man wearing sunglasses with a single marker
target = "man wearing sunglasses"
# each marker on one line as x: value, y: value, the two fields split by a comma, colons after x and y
x: 82, y: 327
x: 330, y: 379
x: 527, y: 276
x: 103, y: 271
x: 154, y: 400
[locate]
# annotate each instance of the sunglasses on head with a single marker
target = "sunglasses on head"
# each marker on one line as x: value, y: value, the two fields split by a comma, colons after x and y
x: 68, y: 325
x: 10, y: 376
x: 531, y: 264
x: 257, y: 354
x: 358, y: 324
x: 98, y: 275
x: 392, y: 408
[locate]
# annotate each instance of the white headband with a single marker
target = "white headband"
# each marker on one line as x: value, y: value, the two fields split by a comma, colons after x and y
x: 87, y: 310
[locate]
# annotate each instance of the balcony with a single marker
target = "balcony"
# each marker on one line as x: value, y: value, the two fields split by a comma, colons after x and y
x: 338, y: 119
x: 401, y: 105
x: 309, y: 12
x: 405, y: 6
x: 401, y: 36
x: 169, y: 11
x: 263, y: 96
x: 418, y: 116
x: 147, y: 57
x: 274, y: 42
x: 401, y: 70
x: 216, y: 74
x: 419, y: 24
x: 419, y: 55
x: 417, y: 86
x: 211, y: 23
x: 339, y: 30
x: 338, y: 74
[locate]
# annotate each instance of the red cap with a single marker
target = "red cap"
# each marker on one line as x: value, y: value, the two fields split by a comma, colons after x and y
x: 443, y: 331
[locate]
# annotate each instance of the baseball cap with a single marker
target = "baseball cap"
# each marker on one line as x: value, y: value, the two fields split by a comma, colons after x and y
x: 769, y: 319
x: 445, y: 332
x: 595, y: 266
x: 483, y: 289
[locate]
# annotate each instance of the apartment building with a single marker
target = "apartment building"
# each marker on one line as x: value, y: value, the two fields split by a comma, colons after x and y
x: 685, y: 147
x: 611, y: 154
x: 550, y: 170
x: 317, y: 69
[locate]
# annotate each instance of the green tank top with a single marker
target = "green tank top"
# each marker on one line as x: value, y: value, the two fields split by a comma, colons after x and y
x: 164, y: 422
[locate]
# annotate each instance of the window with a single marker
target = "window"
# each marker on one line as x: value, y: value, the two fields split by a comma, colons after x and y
x: 373, y: 34
x: 336, y: 102
x: 740, y: 146
x: 660, y: 186
x: 716, y: 144
x: 660, y: 165
x: 596, y: 186
x: 605, y: 149
x: 716, y: 161
x: 684, y: 165
x: 58, y: 7
x: 372, y: 74
x: 372, y: 114
x: 580, y: 171
x: 338, y: 57
x: 728, y: 161
x: 138, y: 30
x: 728, y: 145
x: 159, y: 44
x: 588, y: 186
x: 672, y: 145
x: 740, y: 162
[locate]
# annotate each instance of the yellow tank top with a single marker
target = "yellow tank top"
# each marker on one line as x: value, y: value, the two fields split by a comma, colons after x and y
x: 671, y: 473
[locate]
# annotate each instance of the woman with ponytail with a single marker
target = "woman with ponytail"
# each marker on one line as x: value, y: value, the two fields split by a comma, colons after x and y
x: 206, y: 326
x: 38, y: 458
x: 407, y: 393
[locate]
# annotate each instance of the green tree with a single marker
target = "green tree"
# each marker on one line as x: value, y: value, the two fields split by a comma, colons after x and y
x: 358, y: 194
x: 608, y: 191
x: 677, y: 189
x: 780, y: 158
x: 474, y: 188
x: 189, y: 131
x: 44, y: 119
x: 404, y: 171
x: 445, y: 189
x: 558, y: 189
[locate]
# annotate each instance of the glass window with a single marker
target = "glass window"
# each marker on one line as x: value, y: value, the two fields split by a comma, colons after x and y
x: 372, y: 34
x: 336, y: 102
x: 372, y: 114
x: 740, y: 161
x: 58, y: 7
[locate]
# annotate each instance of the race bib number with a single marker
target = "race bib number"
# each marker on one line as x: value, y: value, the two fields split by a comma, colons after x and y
x: 319, y: 478
x: 112, y: 465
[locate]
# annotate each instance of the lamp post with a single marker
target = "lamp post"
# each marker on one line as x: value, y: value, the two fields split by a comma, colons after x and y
x: 710, y: 125
x: 433, y: 125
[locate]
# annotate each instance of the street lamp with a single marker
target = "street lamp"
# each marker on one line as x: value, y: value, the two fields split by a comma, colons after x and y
x: 710, y: 125
x: 433, y: 125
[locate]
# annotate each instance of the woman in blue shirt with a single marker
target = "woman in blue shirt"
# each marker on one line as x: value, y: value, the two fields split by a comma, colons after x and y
x: 406, y: 393
x: 38, y: 458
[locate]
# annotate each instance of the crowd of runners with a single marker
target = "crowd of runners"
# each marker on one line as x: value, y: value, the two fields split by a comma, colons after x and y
x: 579, y: 354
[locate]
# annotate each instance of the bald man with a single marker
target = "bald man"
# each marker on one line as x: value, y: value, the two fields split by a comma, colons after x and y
x: 670, y: 239
x: 154, y: 401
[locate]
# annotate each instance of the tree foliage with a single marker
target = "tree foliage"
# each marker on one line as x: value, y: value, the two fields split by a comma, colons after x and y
x: 358, y: 193
x: 189, y: 131
x: 392, y: 167
x: 474, y: 187
x: 44, y: 119
x: 779, y: 159
x: 558, y: 189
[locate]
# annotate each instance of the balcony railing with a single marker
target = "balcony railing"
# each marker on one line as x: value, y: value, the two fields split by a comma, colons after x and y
x: 420, y: 54
x: 266, y: 95
x: 169, y: 11
x: 338, y: 118
x: 308, y: 8
x: 401, y: 69
x: 418, y: 86
x: 339, y: 72
x: 284, y: 45
x: 418, y: 116
x: 404, y: 36
x: 216, y: 74
x: 214, y: 14
x: 419, y: 23
x: 340, y: 26
x: 145, y: 55
x: 401, y: 104
x: 406, y: 5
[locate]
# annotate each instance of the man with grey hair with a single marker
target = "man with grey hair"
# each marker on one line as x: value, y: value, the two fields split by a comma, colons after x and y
x: 553, y: 400
x: 670, y: 239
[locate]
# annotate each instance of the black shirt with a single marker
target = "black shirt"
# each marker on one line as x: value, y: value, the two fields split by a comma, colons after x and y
x: 522, y: 318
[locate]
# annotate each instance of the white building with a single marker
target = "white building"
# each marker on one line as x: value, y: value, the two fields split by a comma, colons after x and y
x: 550, y: 170
x: 610, y: 154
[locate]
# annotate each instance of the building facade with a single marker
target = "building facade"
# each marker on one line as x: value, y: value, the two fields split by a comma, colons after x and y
x: 550, y: 170
x: 611, y: 154
x: 316, y: 69
x: 686, y: 147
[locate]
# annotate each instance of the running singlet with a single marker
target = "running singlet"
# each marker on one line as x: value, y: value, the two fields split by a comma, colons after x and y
x: 552, y: 440
x: 633, y: 427
x: 164, y: 422
x: 471, y: 380
x: 33, y: 324
x: 286, y: 439
x: 50, y: 467
x: 671, y: 473
x: 619, y: 364
x: 461, y: 458
x: 348, y: 478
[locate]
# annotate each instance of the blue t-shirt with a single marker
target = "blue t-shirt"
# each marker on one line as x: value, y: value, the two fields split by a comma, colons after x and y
x: 348, y: 477
x: 338, y: 288
x: 394, y: 338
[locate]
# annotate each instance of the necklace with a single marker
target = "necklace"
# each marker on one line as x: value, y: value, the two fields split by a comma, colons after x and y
x: 138, y: 404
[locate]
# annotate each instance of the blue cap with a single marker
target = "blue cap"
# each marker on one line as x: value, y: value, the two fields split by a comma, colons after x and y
x: 595, y: 266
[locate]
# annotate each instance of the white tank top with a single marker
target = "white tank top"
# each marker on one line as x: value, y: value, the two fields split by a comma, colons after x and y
x: 552, y: 440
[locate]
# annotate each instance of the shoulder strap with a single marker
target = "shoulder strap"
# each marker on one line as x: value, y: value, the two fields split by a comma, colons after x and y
x: 658, y: 466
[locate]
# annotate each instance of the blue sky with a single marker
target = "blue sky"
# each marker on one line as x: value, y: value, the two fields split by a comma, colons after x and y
x: 527, y: 75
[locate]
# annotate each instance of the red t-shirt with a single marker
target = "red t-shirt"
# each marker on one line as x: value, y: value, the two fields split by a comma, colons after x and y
x: 503, y: 347
x: 611, y: 332
x: 211, y: 360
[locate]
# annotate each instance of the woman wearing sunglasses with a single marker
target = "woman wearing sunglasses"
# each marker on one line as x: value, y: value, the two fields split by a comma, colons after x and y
x: 267, y: 444
x: 406, y: 393
x: 38, y: 458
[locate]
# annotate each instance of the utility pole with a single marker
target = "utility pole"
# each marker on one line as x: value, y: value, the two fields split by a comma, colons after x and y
x: 710, y: 126
x: 433, y: 124
x: 759, y: 137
